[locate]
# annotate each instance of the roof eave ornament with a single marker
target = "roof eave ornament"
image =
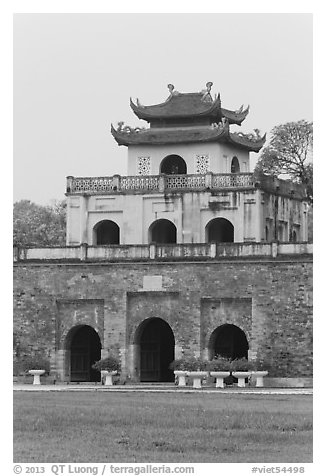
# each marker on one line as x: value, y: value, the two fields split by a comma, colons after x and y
x: 138, y: 103
x: 224, y: 126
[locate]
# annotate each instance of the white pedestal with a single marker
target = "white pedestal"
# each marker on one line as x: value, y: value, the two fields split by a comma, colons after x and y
x: 181, y: 377
x: 241, y: 376
x: 36, y: 374
x: 220, y: 376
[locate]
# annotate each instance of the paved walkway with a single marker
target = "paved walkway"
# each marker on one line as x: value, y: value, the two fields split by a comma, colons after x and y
x: 160, y: 389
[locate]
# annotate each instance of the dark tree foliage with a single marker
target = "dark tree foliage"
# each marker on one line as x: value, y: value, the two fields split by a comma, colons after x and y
x: 38, y: 225
x: 289, y: 154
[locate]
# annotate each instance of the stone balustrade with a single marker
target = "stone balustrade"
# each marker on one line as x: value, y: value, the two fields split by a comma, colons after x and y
x: 158, y: 183
x: 163, y: 252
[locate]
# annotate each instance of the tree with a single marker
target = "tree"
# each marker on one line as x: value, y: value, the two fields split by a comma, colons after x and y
x: 37, y: 225
x: 289, y: 154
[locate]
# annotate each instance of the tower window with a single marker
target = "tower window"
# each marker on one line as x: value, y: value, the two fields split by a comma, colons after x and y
x: 235, y: 167
x: 173, y: 164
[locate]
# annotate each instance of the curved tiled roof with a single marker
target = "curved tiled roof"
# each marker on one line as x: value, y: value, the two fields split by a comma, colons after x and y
x: 179, y: 105
x: 220, y: 133
x: 188, y: 105
x: 235, y: 117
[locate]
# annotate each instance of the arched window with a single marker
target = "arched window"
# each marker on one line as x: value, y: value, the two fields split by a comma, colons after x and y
x: 235, y: 167
x: 162, y: 231
x: 173, y: 164
x: 106, y: 232
x: 219, y: 230
x: 266, y: 233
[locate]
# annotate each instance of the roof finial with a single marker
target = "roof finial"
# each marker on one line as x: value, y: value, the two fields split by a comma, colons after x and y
x: 209, y: 86
x: 170, y: 88
x: 207, y: 94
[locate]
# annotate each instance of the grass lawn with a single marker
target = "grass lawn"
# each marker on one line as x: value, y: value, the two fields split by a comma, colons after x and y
x: 81, y: 427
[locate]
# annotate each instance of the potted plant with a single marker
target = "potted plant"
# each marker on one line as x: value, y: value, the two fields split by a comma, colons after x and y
x: 219, y: 368
x: 241, y: 369
x: 36, y: 365
x: 197, y: 371
x: 179, y: 369
x: 259, y: 371
x: 109, y: 366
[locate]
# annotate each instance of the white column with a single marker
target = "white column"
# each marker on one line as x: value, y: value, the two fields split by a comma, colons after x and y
x: 83, y: 218
x: 259, y: 232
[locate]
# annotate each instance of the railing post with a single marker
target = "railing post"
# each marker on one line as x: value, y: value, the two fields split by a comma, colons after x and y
x: 212, y: 250
x: 116, y: 182
x: 83, y: 251
x: 152, y: 251
x: 161, y: 183
x: 274, y: 249
x: 69, y: 186
x: 16, y: 253
x: 208, y: 179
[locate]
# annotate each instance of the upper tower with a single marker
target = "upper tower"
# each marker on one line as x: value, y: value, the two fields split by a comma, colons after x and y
x: 188, y: 181
x: 192, y: 126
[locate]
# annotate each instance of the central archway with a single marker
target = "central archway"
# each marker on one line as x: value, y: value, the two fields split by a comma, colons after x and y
x: 228, y: 341
x: 219, y: 230
x: 163, y: 231
x: 173, y: 164
x: 84, y: 345
x: 156, y: 346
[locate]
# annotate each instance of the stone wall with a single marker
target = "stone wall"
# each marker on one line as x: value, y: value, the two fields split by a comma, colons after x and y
x: 270, y: 300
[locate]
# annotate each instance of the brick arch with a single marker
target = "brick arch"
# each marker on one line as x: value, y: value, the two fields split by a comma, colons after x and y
x: 153, y: 350
x: 68, y: 334
x: 78, y: 312
x: 138, y: 327
x: 82, y: 346
x: 228, y: 340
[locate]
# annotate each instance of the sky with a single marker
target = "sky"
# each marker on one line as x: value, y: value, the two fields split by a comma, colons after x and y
x: 74, y: 74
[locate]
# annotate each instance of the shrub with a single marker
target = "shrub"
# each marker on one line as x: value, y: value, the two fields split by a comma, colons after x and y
x: 109, y: 363
x: 195, y: 364
x: 35, y: 362
x: 260, y: 364
x: 219, y: 363
x: 241, y: 365
x: 191, y: 364
x: 178, y: 364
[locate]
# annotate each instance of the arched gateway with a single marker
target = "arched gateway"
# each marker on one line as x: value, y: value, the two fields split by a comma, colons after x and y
x: 155, y: 344
x: 83, y: 347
